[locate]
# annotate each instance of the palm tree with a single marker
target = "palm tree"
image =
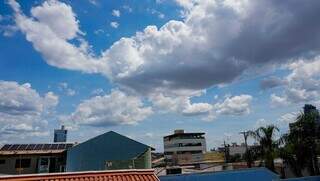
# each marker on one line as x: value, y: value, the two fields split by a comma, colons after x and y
x: 268, y: 145
x: 293, y: 153
x: 304, y: 132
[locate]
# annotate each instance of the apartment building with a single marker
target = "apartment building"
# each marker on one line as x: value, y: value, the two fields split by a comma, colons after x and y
x: 184, y: 148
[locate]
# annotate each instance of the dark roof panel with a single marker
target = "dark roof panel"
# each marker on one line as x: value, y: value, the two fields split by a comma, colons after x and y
x: 36, y: 147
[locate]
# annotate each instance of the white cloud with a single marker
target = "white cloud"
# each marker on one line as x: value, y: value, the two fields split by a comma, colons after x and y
x: 98, y: 91
x: 116, y: 108
x: 23, y: 110
x: 8, y: 30
x: 288, y: 118
x: 182, y: 56
x: 261, y: 123
x: 127, y: 8
x: 94, y: 2
x: 303, y: 84
x: 277, y: 100
x: 48, y: 33
x: 236, y: 105
x: 64, y: 87
x: 114, y: 24
x: 156, y: 12
x: 116, y: 13
x: 52, y: 14
x: 98, y: 31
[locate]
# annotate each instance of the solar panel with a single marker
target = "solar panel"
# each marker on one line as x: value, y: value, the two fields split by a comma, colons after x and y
x: 5, y: 147
x: 38, y: 147
x: 22, y: 147
x: 61, y: 146
x: 46, y: 147
x: 31, y: 147
x: 54, y: 146
x: 14, y: 147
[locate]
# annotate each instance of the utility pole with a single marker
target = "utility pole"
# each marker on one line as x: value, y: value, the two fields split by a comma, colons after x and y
x: 247, y: 154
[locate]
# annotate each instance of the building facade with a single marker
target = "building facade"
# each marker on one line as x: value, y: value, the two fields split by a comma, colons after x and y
x: 60, y: 135
x: 33, y: 158
x: 109, y: 151
x: 184, y: 148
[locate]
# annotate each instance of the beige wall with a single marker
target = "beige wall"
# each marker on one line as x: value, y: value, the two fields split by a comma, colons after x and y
x: 10, y: 161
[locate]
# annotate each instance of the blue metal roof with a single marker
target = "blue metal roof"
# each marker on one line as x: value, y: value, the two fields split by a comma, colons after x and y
x: 310, y: 178
x: 92, y: 154
x: 253, y: 174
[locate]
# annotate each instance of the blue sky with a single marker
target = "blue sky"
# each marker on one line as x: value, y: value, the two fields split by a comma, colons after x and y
x: 145, y: 68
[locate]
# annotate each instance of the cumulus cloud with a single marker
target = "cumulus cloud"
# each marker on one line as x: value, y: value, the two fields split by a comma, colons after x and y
x: 8, y: 30
x: 64, y: 87
x: 180, y: 104
x: 114, y: 24
x: 303, y: 83
x: 236, y: 105
x: 116, y: 13
x: 98, y: 91
x: 23, y: 110
x: 48, y: 33
x: 215, y: 43
x: 116, y: 108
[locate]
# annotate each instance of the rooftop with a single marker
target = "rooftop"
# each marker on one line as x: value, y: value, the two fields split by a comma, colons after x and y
x: 261, y: 174
x: 115, y: 175
x: 11, y: 149
x: 185, y: 135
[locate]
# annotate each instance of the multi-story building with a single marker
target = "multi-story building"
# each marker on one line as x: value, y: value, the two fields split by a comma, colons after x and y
x: 60, y: 135
x: 184, y: 148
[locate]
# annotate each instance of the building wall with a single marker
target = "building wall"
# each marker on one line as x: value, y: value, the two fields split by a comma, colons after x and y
x: 10, y: 162
x: 142, y: 162
x: 177, y: 144
x: 177, y: 151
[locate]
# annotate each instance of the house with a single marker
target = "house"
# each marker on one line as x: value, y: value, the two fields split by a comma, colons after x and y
x: 33, y: 158
x: 118, y: 175
x: 109, y: 151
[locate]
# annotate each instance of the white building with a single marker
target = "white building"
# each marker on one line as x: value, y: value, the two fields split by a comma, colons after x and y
x: 236, y: 149
x: 184, y: 148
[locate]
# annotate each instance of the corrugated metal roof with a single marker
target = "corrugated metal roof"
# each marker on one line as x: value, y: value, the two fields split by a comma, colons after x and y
x: 116, y: 175
x: 93, y: 154
x: 253, y: 174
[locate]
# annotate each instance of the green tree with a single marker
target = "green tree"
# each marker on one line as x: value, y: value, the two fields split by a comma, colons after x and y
x: 303, y: 136
x: 268, y: 144
x: 293, y: 153
x: 300, y: 145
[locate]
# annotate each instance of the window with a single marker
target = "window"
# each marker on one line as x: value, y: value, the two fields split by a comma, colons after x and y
x: 23, y: 163
x: 2, y: 162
